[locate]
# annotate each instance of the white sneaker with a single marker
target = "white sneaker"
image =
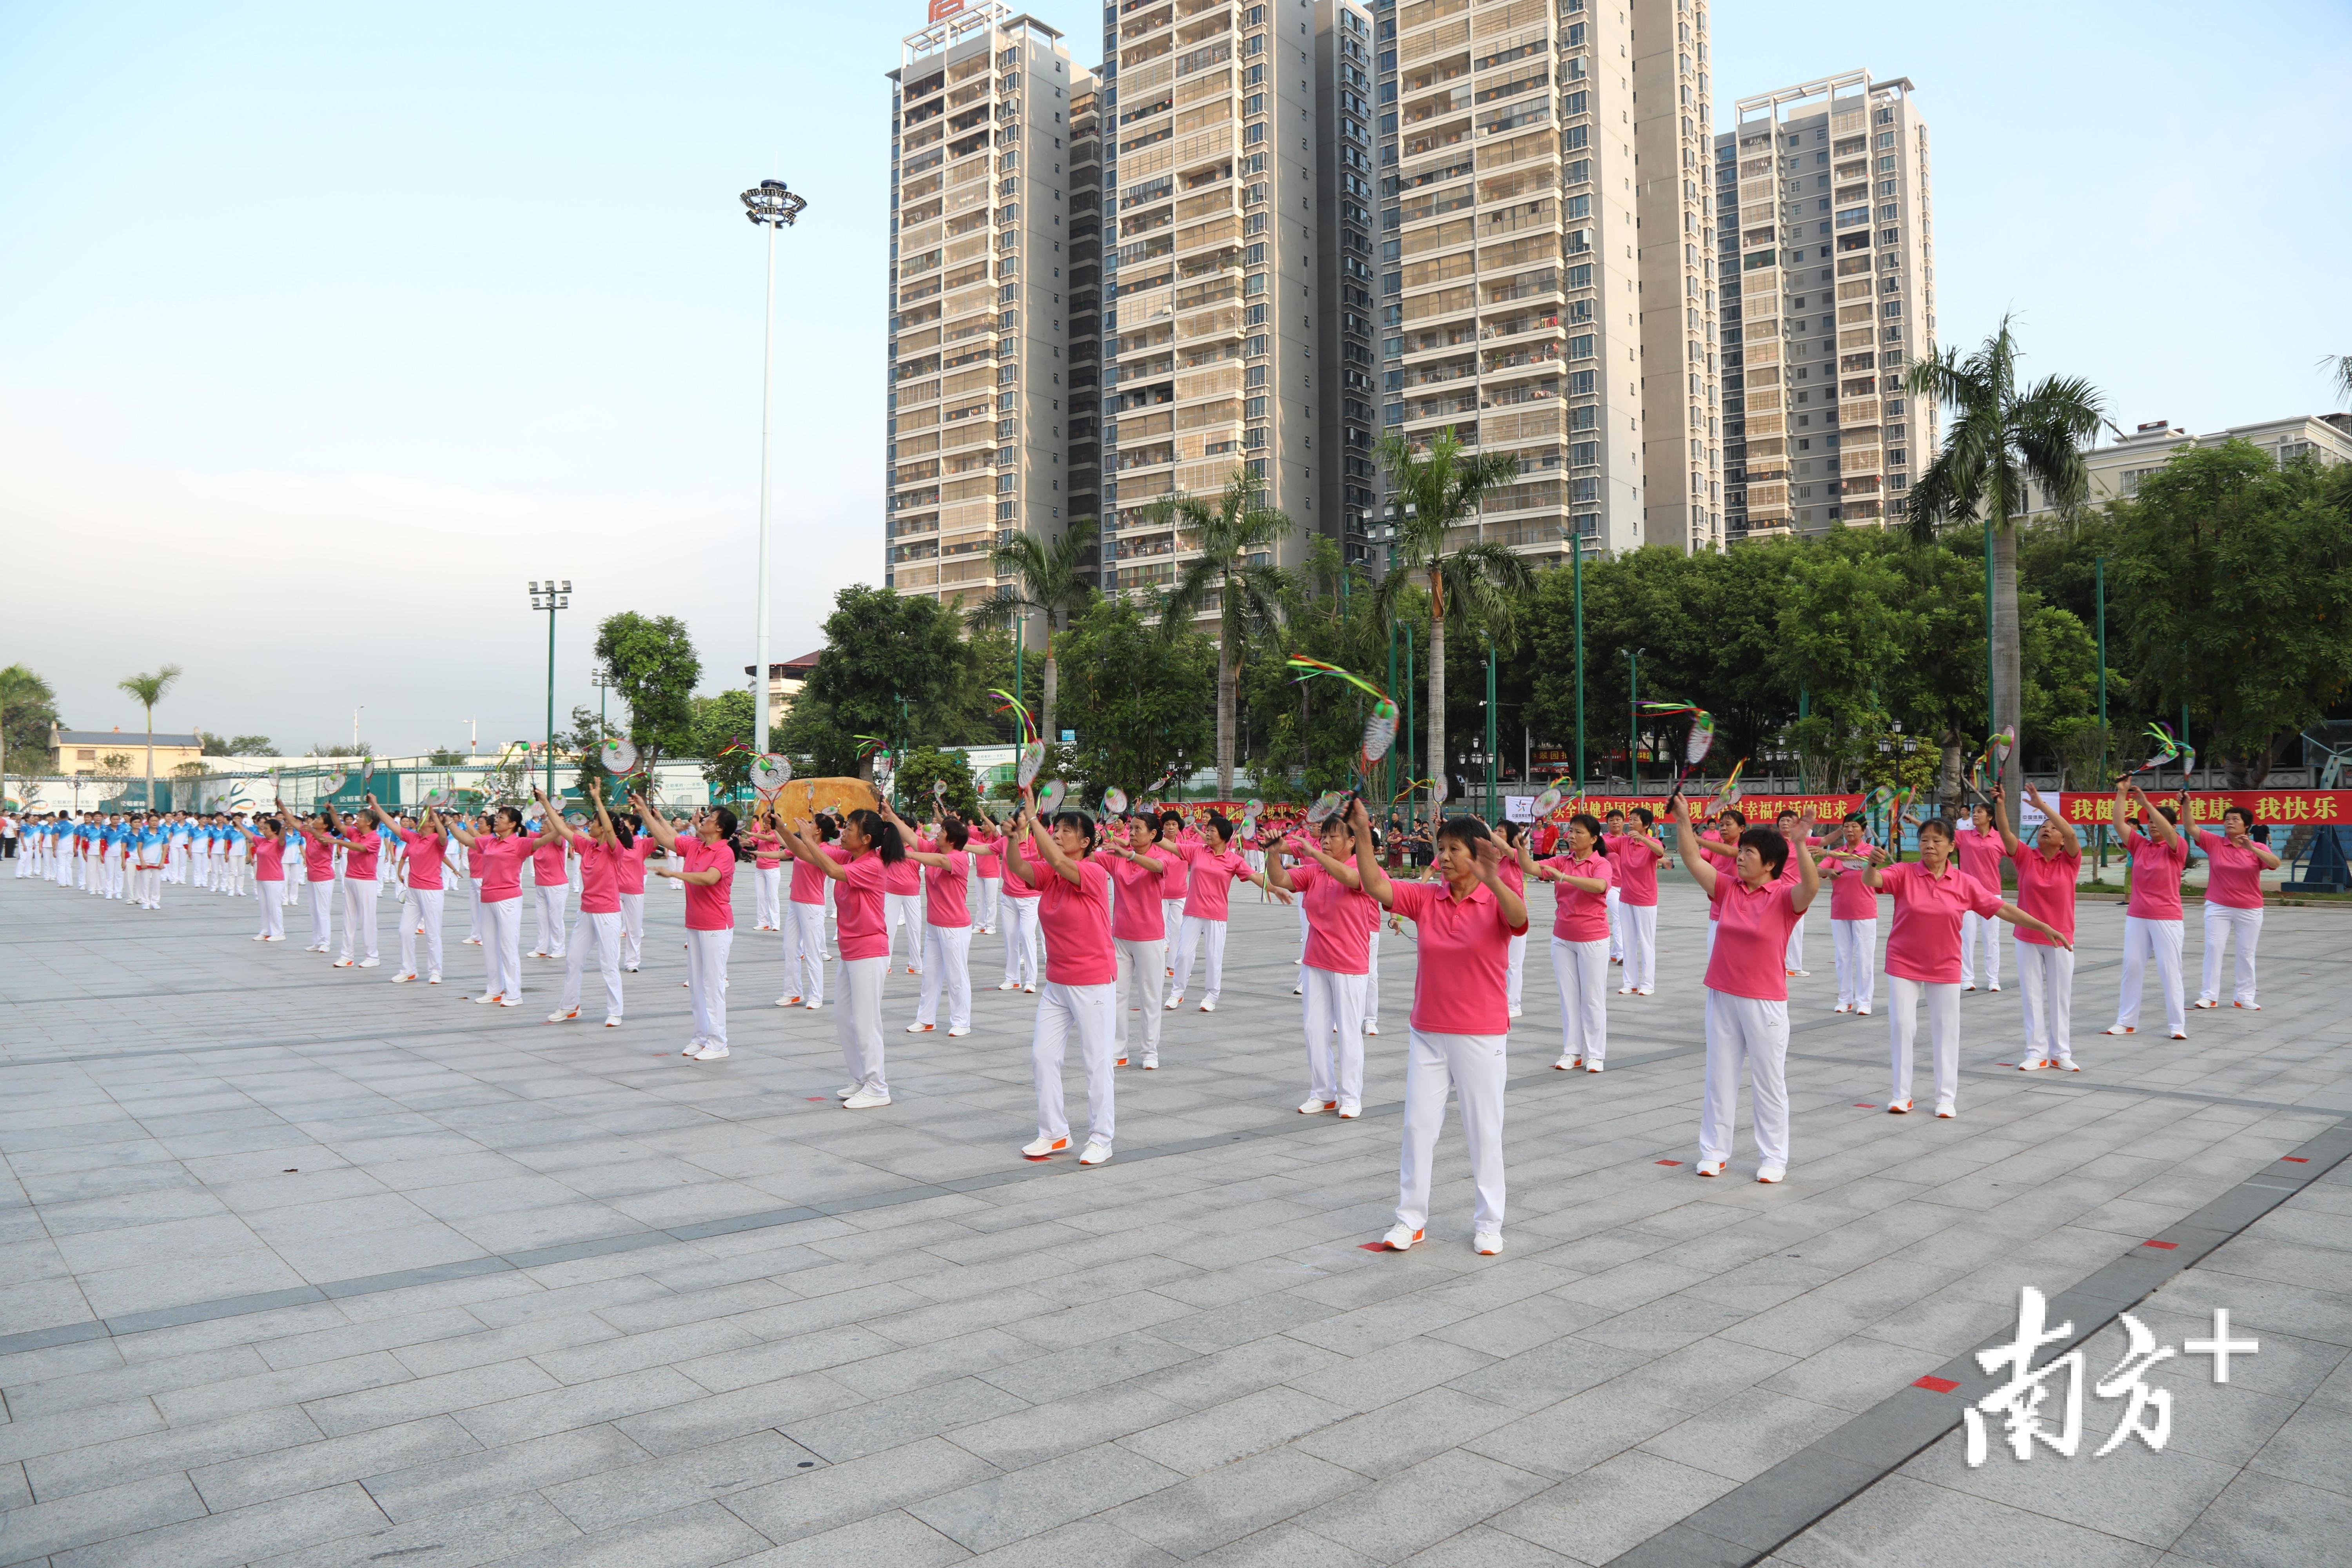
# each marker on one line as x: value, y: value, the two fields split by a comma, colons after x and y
x: 1095, y: 1153
x: 1898, y: 1108
x: 711, y: 1052
x: 486, y: 1001
x: 1400, y: 1236
x: 788, y: 1001
x: 1151, y: 1064
x: 1349, y: 1113
x: 1859, y: 1012
x: 1043, y: 1147
x: 2205, y: 1003
x: 1947, y: 1110
x: 865, y: 1099
x: 1992, y: 985
x: 815, y: 1006
x: 1010, y: 985
x: 1711, y: 1167
x: 958, y: 1031
x: 919, y: 1029
x: 1769, y: 1174
x: 509, y: 1002
x: 1568, y: 1064
x: 344, y: 963
x: 2032, y: 1066
x: 2122, y: 1029
x: 371, y: 963
x: 1591, y: 1064
x: 1316, y: 1105
x: 1486, y: 1243
x: 1517, y: 1010
x: 1807, y: 973
x: 401, y: 979
x: 1172, y: 1003
x: 614, y: 1022
x: 563, y: 1014
x: 1301, y: 991
x: 1370, y: 1028
x: 846, y: 1089
x: 1031, y: 988
x: 1208, y: 1005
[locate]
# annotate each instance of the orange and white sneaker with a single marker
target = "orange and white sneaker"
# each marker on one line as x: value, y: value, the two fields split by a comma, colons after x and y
x: 1568, y: 1064
x: 1711, y: 1167
x: 920, y: 1028
x: 563, y: 1014
x: 788, y: 1001
x: 1316, y: 1105
x: 1400, y: 1236
x: 2123, y: 1029
x: 1487, y: 1243
x: 1898, y: 1108
x: 1045, y: 1148
x: 2249, y: 1006
x: 2180, y: 1034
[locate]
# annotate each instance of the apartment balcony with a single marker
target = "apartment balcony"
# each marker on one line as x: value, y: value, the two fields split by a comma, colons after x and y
x: 1440, y: 341
x: 1144, y: 26
x: 1437, y: 375
x: 1446, y: 406
x: 1520, y: 392
x: 1526, y: 359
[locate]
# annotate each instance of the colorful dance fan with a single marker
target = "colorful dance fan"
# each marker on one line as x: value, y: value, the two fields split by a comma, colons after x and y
x: 1380, y: 730
x: 1253, y: 807
x: 1013, y: 705
x: 1115, y: 801
x: 1049, y: 800
x: 619, y: 756
x: 1547, y: 802
x: 1329, y: 801
x: 367, y: 770
x: 771, y: 773
x: 1033, y: 758
x: 2168, y: 750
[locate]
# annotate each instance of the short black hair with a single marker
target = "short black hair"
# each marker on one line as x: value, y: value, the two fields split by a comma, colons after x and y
x: 1082, y: 822
x: 1769, y: 844
x: 1591, y: 823
x: 1647, y: 818
x: 1858, y: 817
x: 955, y: 833
x: 882, y: 833
x: 1467, y: 831
x: 1217, y: 819
x: 725, y: 821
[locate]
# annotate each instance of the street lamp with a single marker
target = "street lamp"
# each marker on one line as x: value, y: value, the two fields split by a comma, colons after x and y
x: 603, y: 682
x: 772, y: 207
x: 1633, y: 719
x: 551, y: 596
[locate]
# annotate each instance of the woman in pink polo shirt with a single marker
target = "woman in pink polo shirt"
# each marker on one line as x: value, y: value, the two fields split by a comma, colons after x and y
x: 1580, y: 877
x: 1461, y: 1019
x: 1212, y: 865
x: 1979, y: 850
x: 551, y: 882
x: 427, y: 847
x: 1081, y: 974
x: 268, y: 875
x: 631, y: 875
x: 2234, y: 864
x: 1178, y: 841
x: 767, y: 869
x: 1515, y: 877
x: 987, y: 848
x: 603, y: 851
x: 1139, y: 932
x: 947, y: 925
x: 805, y: 920
x: 869, y: 848
x: 1854, y: 917
x: 902, y: 884
x: 1923, y: 956
x: 1336, y: 971
x: 1018, y: 914
x: 497, y: 856
x: 704, y: 867
x: 1721, y: 853
x: 2152, y: 923
x: 319, y: 871
x: 2047, y: 871
x: 1756, y: 905
x: 1635, y: 856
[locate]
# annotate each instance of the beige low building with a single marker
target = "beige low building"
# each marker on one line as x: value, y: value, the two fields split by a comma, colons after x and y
x: 89, y: 751
x: 2115, y: 470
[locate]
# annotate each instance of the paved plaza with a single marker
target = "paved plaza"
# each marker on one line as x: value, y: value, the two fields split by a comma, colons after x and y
x: 301, y: 1268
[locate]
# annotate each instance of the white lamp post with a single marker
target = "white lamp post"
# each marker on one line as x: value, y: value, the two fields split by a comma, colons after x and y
x: 772, y: 207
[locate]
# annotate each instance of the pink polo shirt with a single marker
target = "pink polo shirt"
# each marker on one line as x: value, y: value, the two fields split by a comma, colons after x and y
x: 905, y: 877
x: 546, y: 866
x: 857, y: 907
x: 2045, y: 889
x: 1176, y: 855
x: 2232, y: 875
x: 944, y: 890
x: 767, y: 851
x: 1340, y: 920
x: 808, y: 881
x: 1726, y: 864
x: 426, y: 853
x: 1458, y: 988
x: 1014, y: 888
x: 1076, y: 921
x: 711, y: 907
x: 1851, y: 896
x: 1213, y: 874
x: 1637, y: 871
x: 318, y: 855
x: 1752, y: 937
x: 600, y: 877
x: 358, y: 860
x: 1135, y: 913
x: 1924, y: 944
x: 1578, y: 916
x: 631, y: 867
x: 1981, y: 855
x: 2155, y: 871
x: 498, y: 862
x: 269, y: 859
x: 988, y: 851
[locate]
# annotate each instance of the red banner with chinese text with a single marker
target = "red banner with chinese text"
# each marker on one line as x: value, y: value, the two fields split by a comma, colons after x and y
x: 2281, y: 808
x: 1755, y: 808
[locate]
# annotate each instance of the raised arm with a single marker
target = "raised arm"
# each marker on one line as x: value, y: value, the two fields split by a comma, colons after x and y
x: 1687, y: 840
x: 1368, y: 874
x: 1061, y: 860
x: 662, y: 832
x: 2050, y: 813
x: 1490, y: 864
x: 2163, y: 832
x: 390, y: 825
x: 1808, y: 876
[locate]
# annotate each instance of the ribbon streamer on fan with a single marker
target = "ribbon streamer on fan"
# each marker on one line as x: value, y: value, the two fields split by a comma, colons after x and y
x: 2167, y: 749
x: 1696, y: 745
x: 1013, y: 705
x: 1380, y: 729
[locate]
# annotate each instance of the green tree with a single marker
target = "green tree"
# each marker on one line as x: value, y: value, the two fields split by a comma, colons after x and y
x: 147, y: 690
x: 1235, y: 537
x: 445, y: 757
x: 1316, y: 726
x: 924, y: 766
x: 1051, y: 579
x: 234, y: 745
x: 1469, y: 582
x: 1844, y: 624
x: 893, y: 665
x: 651, y: 662
x: 1141, y: 695
x: 720, y: 723
x: 27, y: 711
x: 2001, y: 439
x: 341, y: 749
x: 2237, y: 574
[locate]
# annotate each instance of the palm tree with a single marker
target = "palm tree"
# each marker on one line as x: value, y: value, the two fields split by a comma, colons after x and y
x: 1235, y: 537
x: 2339, y: 371
x: 147, y: 690
x: 1050, y: 581
x: 20, y: 689
x: 2000, y: 440
x: 1434, y: 495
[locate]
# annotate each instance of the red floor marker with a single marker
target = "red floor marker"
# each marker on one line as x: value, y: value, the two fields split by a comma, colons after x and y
x: 1859, y: 1106
x: 817, y: 1099
x: 2004, y: 1064
x: 1936, y: 1384
x: 2294, y: 1158
x: 2167, y: 1245
x: 1669, y: 1161
x: 1372, y: 1247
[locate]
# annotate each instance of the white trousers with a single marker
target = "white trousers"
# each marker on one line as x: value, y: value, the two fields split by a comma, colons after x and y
x: 2222, y: 923
x: 2160, y: 941
x: 1084, y: 1011
x: 1171, y: 918
x: 1515, y: 976
x: 601, y: 934
x: 857, y: 1020
x: 1979, y: 931
x: 905, y: 909
x: 1856, y: 942
x: 632, y: 930
x: 1639, y: 924
x: 1474, y: 1066
x: 1580, y: 969
x: 1710, y: 942
x: 767, y: 888
x: 991, y: 889
x: 1334, y: 1037
x: 236, y: 868
x: 1142, y: 975
x: 1021, y: 941
x: 1792, y: 957
x: 322, y: 916
x: 1372, y: 978
x: 805, y: 951
x: 473, y: 908
x: 502, y: 946
x: 1746, y: 1031
x: 421, y: 908
x: 1943, y: 1033
x: 2045, y: 976
x: 706, y: 979
x: 114, y: 873
x: 947, y: 964
x: 273, y: 909
x: 1199, y: 931
x: 358, y: 918
x: 1616, y: 924
x: 550, y: 900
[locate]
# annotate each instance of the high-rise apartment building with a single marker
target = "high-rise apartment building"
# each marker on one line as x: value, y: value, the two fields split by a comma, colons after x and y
x: 1548, y: 283
x: 1347, y: 202
x: 1828, y: 226
x: 981, y: 360
x: 1215, y: 301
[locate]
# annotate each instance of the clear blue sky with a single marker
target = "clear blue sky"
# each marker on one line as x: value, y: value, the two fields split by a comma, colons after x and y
x: 322, y: 329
